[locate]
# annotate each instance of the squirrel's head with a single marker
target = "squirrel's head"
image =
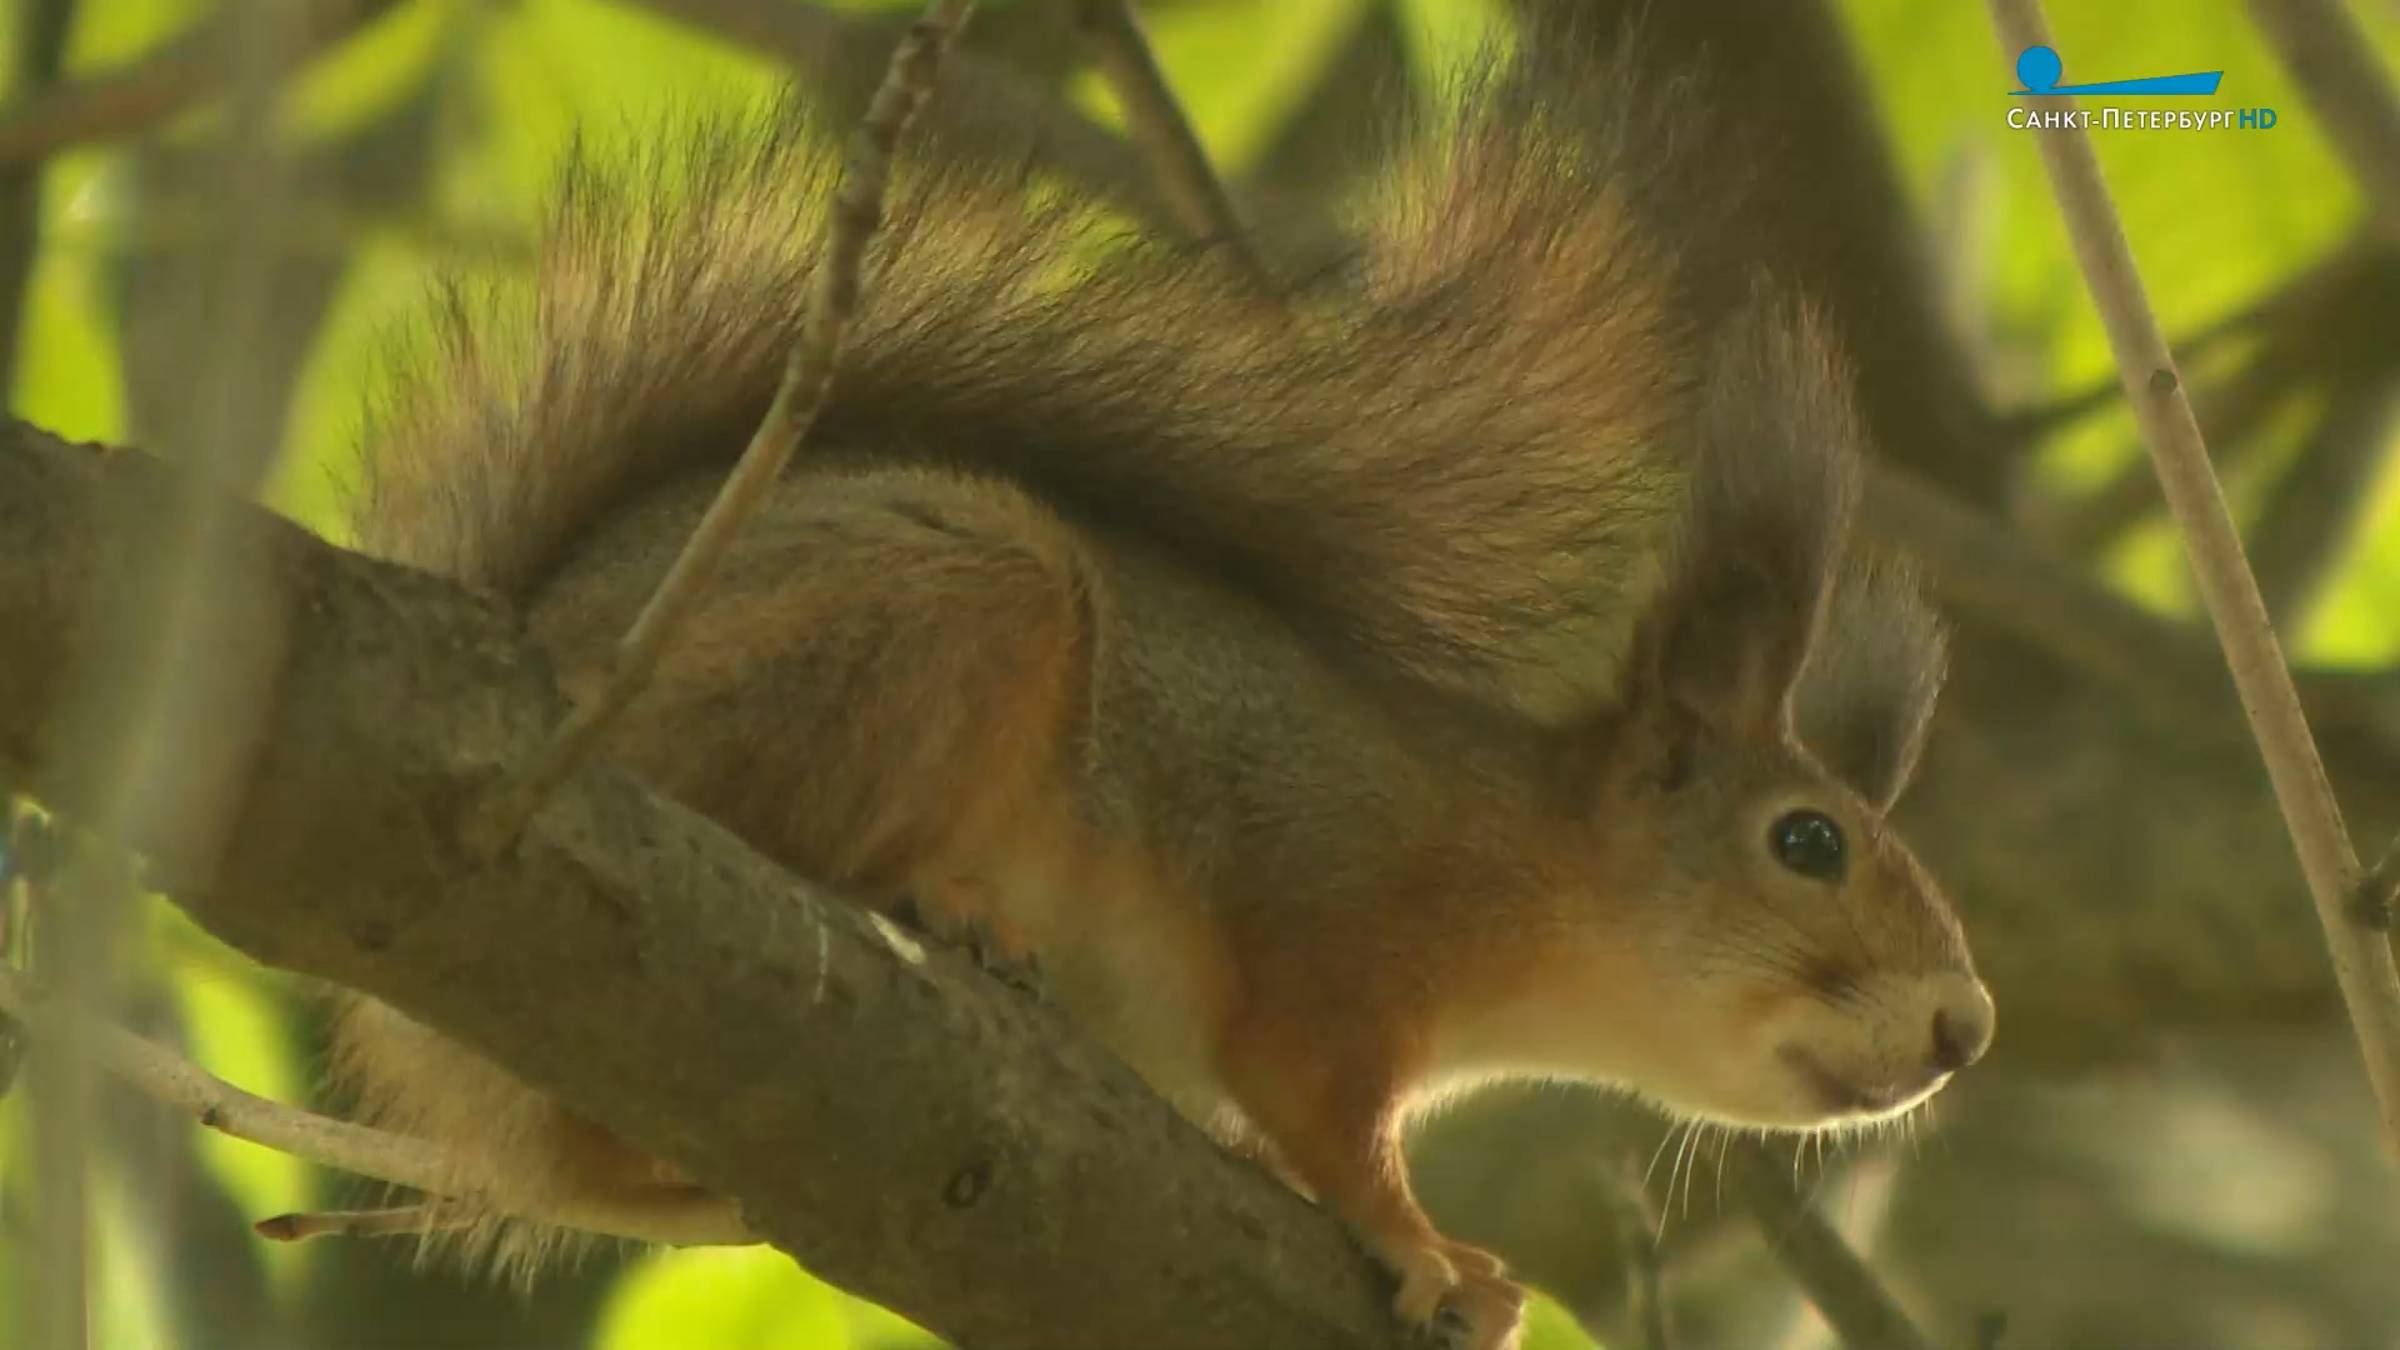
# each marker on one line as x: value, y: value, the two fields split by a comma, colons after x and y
x: 1799, y: 968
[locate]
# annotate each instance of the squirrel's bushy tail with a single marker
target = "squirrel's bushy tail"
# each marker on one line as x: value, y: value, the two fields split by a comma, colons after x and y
x: 1457, y: 459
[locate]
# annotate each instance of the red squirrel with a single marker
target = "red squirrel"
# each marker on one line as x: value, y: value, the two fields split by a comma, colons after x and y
x: 1460, y: 671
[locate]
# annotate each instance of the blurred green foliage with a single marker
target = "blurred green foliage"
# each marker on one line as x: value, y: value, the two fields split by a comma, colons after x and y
x: 488, y: 98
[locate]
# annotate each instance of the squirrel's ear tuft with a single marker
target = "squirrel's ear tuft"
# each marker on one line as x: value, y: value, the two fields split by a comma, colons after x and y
x: 1872, y: 679
x: 1770, y: 497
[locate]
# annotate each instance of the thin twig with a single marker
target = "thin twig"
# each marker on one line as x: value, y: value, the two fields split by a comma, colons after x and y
x: 1838, y: 1283
x: 180, y: 74
x: 2028, y: 426
x: 402, y: 1220
x: 2331, y: 322
x: 158, y: 1073
x: 2362, y: 957
x: 1165, y: 135
x: 2331, y: 59
x: 857, y: 213
x: 2237, y: 409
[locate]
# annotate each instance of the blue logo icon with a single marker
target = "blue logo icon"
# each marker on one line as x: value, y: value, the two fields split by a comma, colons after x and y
x: 2038, y: 69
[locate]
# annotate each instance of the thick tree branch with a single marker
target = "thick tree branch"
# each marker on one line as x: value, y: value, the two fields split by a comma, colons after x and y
x: 2362, y: 956
x: 903, y: 1124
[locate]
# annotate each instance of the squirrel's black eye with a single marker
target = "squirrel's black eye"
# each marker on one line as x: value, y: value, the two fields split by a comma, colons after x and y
x: 1808, y: 842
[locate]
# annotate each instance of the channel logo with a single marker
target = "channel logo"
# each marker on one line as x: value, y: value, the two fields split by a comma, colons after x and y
x: 2039, y: 69
x: 2040, y: 72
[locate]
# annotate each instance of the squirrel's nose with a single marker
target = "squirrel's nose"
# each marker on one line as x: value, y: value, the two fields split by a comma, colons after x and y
x: 1962, y: 1024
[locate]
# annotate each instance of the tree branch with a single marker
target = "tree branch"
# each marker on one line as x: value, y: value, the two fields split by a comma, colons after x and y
x: 2362, y: 956
x: 897, y: 1120
x: 160, y: 1074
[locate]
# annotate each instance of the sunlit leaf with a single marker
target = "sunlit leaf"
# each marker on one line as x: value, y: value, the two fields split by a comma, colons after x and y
x: 725, y: 1298
x: 1550, y: 1327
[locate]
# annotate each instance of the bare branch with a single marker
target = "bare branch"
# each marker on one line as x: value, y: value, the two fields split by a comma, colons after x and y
x: 403, y: 1221
x: 1165, y: 135
x: 1841, y: 1286
x: 857, y: 213
x: 2332, y: 60
x: 2362, y: 956
x: 160, y: 1074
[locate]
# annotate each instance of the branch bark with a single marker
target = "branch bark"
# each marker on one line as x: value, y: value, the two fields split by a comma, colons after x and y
x: 893, y: 1118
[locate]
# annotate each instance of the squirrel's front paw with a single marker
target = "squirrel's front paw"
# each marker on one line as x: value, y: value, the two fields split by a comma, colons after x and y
x: 1457, y: 1297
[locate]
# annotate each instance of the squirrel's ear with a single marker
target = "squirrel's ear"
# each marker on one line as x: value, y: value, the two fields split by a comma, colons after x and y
x: 1872, y: 679
x: 1770, y: 496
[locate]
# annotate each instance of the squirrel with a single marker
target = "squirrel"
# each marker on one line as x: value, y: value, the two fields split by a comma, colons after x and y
x: 1460, y: 671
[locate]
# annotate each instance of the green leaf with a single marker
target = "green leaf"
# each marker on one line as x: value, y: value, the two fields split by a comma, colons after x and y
x: 725, y: 1298
x: 1550, y: 1327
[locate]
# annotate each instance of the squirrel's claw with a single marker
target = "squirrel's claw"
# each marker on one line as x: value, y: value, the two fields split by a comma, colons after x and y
x: 962, y: 913
x: 1019, y: 969
x: 1458, y: 1299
